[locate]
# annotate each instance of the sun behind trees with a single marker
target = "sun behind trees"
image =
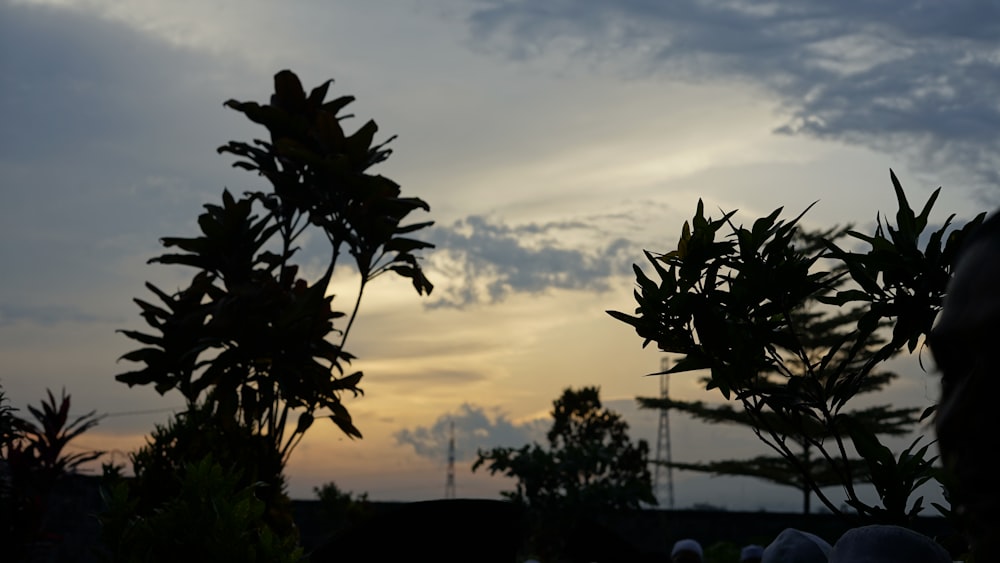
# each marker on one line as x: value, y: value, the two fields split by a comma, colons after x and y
x: 251, y: 343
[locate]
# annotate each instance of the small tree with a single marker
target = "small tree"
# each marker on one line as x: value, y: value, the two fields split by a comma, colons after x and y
x: 32, y: 462
x: 818, y: 328
x: 729, y: 306
x: 590, y: 460
x: 251, y: 342
x: 47, y: 436
x: 342, y: 509
x: 249, y: 336
x: 589, y: 466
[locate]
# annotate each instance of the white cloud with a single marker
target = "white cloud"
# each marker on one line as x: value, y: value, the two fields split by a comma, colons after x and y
x: 831, y: 66
x: 474, y: 429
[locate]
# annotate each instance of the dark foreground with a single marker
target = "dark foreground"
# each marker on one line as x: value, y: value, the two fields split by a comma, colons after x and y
x: 471, y: 529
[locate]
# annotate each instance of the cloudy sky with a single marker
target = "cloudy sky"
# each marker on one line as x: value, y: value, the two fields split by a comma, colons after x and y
x: 553, y: 141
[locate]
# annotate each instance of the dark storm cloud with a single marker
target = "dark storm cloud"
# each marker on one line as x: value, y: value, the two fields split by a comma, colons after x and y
x: 474, y: 430
x: 918, y: 80
x: 486, y: 260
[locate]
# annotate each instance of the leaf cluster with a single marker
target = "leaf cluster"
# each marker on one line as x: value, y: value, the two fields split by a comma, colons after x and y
x: 818, y: 331
x: 904, y: 274
x: 724, y: 303
x: 248, y: 328
x: 191, y: 436
x: 40, y: 444
x: 250, y: 336
x: 211, y: 518
x: 318, y: 173
x: 32, y: 462
x: 731, y: 303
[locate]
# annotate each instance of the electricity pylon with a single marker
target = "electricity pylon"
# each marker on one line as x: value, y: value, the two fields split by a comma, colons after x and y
x: 449, y: 484
x: 663, y: 475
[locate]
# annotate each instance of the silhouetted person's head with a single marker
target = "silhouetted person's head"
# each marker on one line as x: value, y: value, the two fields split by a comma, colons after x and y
x: 686, y: 551
x: 965, y: 343
x: 882, y: 543
x: 796, y: 546
x: 751, y: 553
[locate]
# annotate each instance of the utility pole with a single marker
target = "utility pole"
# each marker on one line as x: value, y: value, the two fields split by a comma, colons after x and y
x: 663, y: 475
x: 449, y: 484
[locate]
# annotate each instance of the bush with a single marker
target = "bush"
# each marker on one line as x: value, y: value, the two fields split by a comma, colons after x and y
x: 211, y: 518
x: 195, y: 434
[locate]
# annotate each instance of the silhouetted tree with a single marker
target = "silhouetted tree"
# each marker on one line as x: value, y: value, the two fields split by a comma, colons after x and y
x: 589, y: 466
x: 590, y: 460
x: 342, y: 510
x: 210, y: 517
x: 33, y: 460
x: 251, y: 342
x: 819, y: 330
x: 729, y: 306
x: 249, y: 336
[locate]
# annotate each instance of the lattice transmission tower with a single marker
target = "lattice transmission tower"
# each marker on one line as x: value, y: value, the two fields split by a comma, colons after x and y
x: 449, y: 483
x: 663, y: 475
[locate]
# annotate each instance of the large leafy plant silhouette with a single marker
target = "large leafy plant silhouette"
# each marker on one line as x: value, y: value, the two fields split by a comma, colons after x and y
x: 727, y: 303
x: 250, y: 336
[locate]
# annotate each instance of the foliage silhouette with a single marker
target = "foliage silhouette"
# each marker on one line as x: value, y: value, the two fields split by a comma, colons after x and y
x: 589, y: 467
x: 251, y: 343
x: 341, y: 510
x: 46, y: 440
x: 818, y: 329
x: 249, y: 336
x: 32, y: 462
x: 211, y: 517
x: 727, y: 304
x: 195, y: 435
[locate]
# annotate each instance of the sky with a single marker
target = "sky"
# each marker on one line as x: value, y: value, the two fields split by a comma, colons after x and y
x: 553, y: 142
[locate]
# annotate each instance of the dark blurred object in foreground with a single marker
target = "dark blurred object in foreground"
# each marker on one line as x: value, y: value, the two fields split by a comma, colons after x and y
x: 964, y: 342
x: 437, y: 530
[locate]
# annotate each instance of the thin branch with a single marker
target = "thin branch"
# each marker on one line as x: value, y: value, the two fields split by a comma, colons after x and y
x: 354, y: 313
